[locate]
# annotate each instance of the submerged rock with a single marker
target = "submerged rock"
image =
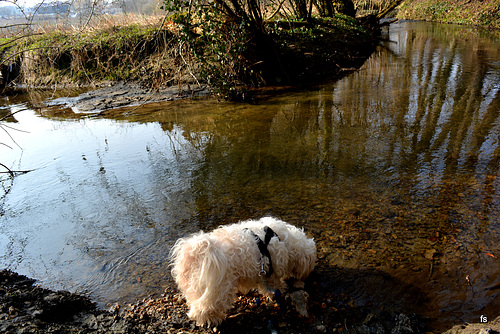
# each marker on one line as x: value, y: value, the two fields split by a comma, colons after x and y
x: 124, y: 95
x: 300, y: 300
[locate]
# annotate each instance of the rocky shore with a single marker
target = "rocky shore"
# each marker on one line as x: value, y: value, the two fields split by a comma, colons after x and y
x: 28, y: 308
x: 123, y: 94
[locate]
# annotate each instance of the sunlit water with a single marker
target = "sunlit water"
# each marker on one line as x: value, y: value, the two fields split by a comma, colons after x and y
x: 393, y: 169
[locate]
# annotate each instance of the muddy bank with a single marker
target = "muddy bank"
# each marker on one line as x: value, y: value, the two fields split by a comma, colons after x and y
x: 124, y: 95
x: 28, y: 308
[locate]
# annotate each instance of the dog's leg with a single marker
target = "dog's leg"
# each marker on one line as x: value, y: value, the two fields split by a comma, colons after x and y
x: 201, y: 271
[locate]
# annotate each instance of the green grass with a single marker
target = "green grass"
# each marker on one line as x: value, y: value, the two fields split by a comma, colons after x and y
x: 480, y: 13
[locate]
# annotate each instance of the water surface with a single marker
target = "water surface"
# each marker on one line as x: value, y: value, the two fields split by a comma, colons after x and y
x: 393, y: 169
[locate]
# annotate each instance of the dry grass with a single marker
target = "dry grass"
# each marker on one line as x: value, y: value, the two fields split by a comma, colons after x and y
x: 42, y: 25
x: 109, y: 48
x: 106, y: 21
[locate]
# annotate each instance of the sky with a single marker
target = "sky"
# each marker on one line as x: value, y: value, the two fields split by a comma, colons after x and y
x: 23, y: 3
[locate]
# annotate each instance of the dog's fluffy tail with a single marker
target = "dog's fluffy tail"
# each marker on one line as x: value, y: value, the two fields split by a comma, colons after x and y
x: 199, y: 269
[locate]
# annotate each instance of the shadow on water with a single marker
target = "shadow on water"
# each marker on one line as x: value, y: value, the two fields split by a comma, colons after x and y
x: 393, y: 170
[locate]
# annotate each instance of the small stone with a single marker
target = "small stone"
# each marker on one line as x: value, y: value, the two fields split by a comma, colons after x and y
x: 300, y: 299
x: 321, y: 328
x: 37, y: 313
x: 487, y: 331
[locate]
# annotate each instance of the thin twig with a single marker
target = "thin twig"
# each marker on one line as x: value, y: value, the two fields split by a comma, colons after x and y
x: 20, y: 37
x: 13, y: 172
x: 12, y: 128
x: 6, y: 145
x: 15, y: 25
x: 27, y: 50
x: 8, y: 170
x: 3, y: 126
x: 277, y: 10
x: 11, y: 138
x: 94, y: 3
x: 165, y: 18
x: 187, y: 66
x: 11, y: 114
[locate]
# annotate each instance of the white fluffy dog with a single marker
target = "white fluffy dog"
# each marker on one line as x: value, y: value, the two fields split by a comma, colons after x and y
x: 210, y: 268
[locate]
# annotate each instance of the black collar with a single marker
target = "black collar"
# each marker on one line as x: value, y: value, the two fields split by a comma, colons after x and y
x: 263, y: 245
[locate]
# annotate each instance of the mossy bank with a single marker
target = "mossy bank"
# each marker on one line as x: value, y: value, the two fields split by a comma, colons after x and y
x: 485, y: 13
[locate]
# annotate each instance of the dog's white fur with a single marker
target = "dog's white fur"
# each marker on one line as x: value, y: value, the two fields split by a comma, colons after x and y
x: 210, y: 268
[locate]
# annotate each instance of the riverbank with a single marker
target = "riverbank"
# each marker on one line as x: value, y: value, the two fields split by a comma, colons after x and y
x: 28, y: 308
x: 121, y: 94
x: 477, y: 13
x: 156, y: 56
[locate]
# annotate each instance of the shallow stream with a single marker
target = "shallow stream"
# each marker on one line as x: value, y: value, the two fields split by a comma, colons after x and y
x: 393, y: 169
